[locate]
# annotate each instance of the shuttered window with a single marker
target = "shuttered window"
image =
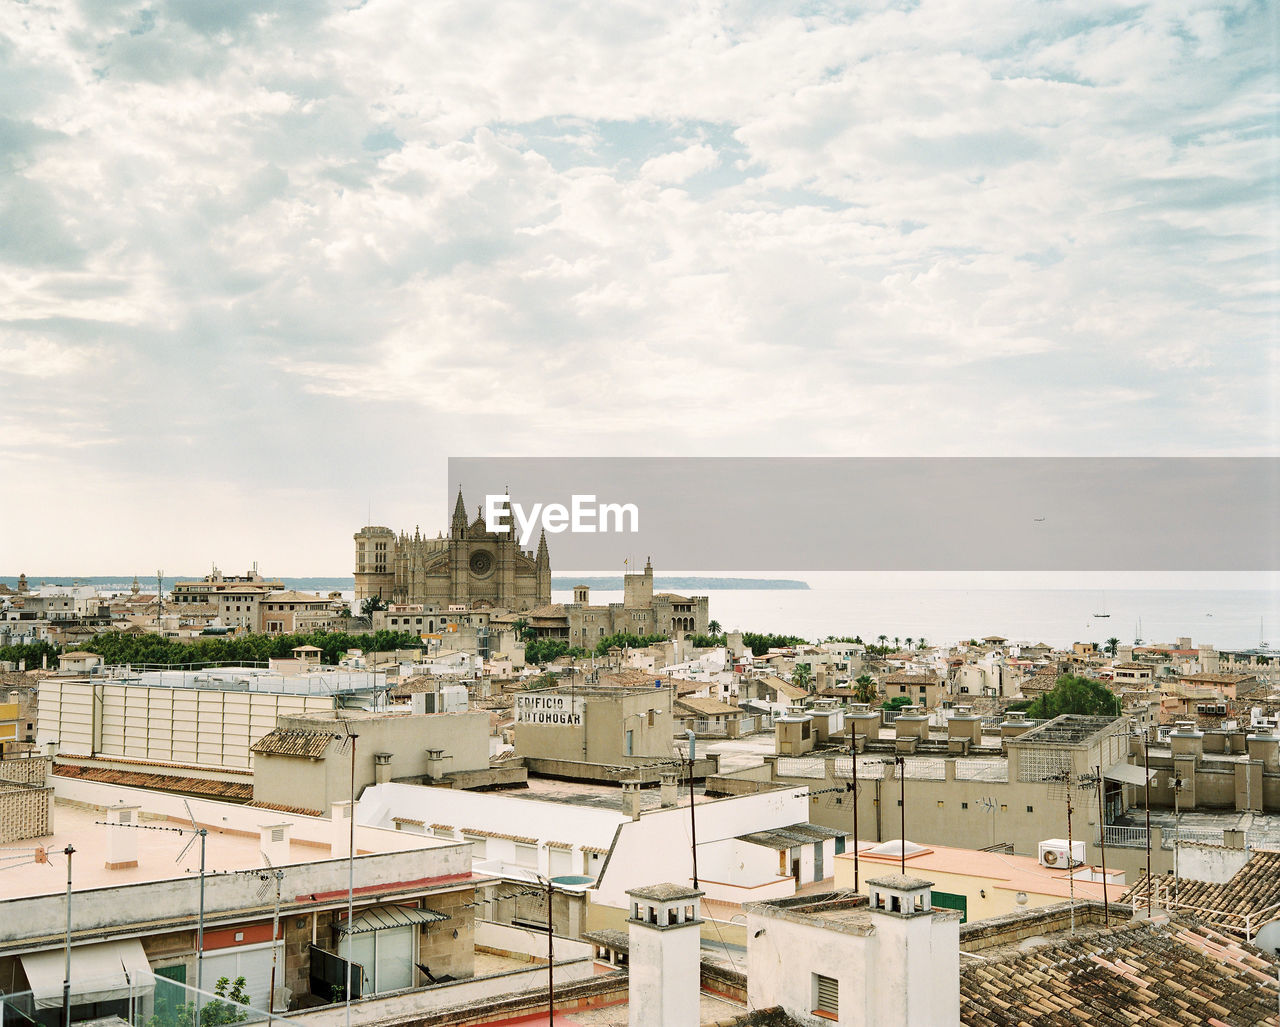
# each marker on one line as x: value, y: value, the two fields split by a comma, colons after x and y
x: 826, y: 995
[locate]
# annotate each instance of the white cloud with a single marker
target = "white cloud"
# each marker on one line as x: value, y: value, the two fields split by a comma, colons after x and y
x: 575, y: 227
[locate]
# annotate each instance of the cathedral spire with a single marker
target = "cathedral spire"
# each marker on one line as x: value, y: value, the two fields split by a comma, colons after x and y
x: 544, y: 557
x: 459, y: 526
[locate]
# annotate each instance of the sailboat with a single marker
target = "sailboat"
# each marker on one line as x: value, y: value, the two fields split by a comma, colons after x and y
x: 1104, y: 607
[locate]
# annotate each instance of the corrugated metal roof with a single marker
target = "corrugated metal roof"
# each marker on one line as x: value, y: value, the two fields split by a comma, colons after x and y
x: 385, y: 917
x: 790, y: 836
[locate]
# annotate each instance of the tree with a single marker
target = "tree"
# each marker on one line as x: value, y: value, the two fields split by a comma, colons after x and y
x: 713, y: 627
x: 896, y: 703
x: 883, y: 639
x: 908, y: 641
x: 372, y: 605
x: 864, y: 689
x: 801, y: 677
x: 1112, y: 645
x: 921, y: 644
x: 1073, y: 694
x: 760, y: 644
x: 227, y: 1008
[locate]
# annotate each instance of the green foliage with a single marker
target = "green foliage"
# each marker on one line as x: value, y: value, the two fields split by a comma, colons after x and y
x: 1072, y: 694
x: 761, y: 644
x: 212, y: 1014
x: 626, y: 640
x: 115, y: 647
x: 864, y: 689
x: 33, y: 654
x: 897, y: 702
x: 707, y: 641
x: 1112, y: 645
x: 544, y: 650
x: 802, y: 677
x: 371, y: 605
x: 713, y: 627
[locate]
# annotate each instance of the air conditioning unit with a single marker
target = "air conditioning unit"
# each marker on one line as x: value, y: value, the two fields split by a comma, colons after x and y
x: 1054, y: 851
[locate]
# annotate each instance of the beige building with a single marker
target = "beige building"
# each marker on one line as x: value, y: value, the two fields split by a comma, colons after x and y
x: 615, y: 727
x: 472, y: 565
x: 287, y: 612
x: 306, y: 762
x: 641, y: 612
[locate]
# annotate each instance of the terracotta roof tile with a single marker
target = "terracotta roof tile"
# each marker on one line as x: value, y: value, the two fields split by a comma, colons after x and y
x: 282, y: 742
x: 1149, y: 972
x: 234, y: 790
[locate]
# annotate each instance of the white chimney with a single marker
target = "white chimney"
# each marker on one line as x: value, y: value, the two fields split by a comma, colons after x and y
x: 340, y: 814
x: 273, y: 843
x: 631, y: 799
x: 664, y: 935
x: 122, y: 837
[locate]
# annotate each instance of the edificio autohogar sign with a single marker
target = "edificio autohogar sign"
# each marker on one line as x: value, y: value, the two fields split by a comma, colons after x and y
x: 548, y: 709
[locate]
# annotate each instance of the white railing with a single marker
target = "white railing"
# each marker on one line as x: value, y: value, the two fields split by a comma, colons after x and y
x: 1125, y: 837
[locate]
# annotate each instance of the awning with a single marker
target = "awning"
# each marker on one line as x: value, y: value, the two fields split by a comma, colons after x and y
x: 1127, y: 773
x: 104, y: 972
x: 385, y: 917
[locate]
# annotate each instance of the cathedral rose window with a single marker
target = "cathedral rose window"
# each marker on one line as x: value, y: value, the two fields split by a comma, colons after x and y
x: 481, y: 563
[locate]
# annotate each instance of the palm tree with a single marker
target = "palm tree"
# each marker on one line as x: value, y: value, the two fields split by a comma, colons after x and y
x: 921, y: 644
x: 883, y: 639
x: 895, y: 641
x: 908, y: 641
x: 713, y: 626
x: 1112, y: 645
x: 864, y: 689
x: 801, y: 677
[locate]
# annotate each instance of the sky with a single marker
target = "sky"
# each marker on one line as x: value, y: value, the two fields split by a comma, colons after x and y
x: 265, y: 266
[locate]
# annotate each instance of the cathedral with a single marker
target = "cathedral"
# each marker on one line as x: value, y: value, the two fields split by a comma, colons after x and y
x: 471, y: 566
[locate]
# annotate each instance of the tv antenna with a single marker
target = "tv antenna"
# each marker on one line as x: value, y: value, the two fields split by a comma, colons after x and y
x: 1063, y: 785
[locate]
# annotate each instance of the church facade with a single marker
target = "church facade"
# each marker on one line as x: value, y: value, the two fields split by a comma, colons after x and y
x: 470, y: 566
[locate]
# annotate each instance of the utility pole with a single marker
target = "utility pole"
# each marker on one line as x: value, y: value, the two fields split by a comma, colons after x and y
x: 693, y: 827
x: 901, y: 761
x: 551, y: 962
x: 1102, y: 843
x: 1146, y: 801
x: 159, y: 600
x: 1071, y: 872
x: 351, y: 873
x: 854, y: 747
x: 66, y: 955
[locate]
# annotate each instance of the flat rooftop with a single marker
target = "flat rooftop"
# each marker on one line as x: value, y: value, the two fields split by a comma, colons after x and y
x: 595, y: 796
x: 232, y: 843
x: 1068, y: 729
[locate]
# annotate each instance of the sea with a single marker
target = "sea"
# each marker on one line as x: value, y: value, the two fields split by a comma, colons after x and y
x: 822, y: 605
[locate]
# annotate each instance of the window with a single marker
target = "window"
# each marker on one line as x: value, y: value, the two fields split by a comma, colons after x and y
x: 964, y: 805
x: 1031, y: 809
x: 826, y: 996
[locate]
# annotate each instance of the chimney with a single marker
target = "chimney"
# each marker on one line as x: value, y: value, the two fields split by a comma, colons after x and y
x: 1185, y: 740
x: 273, y: 843
x: 670, y: 789
x: 963, y: 731
x: 917, y: 960
x: 437, y: 764
x: 664, y: 935
x: 631, y: 798
x: 122, y: 837
x: 1265, y: 746
x: 381, y: 768
x: 340, y: 814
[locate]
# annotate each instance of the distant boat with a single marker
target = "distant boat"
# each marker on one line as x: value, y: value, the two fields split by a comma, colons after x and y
x: 1104, y: 607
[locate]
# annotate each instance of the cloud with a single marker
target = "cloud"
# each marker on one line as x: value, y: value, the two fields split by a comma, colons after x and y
x: 308, y: 238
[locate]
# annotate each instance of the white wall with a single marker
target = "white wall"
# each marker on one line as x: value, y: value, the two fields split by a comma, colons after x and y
x: 657, y: 846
